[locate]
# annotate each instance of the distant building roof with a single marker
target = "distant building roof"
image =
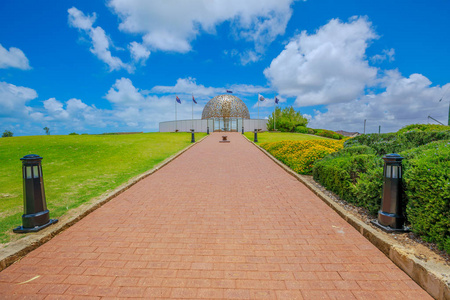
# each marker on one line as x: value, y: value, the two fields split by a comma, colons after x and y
x: 346, y: 133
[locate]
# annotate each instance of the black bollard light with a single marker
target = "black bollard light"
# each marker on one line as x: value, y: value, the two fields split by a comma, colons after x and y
x: 192, y: 136
x: 207, y: 130
x: 255, y: 139
x: 390, y: 216
x: 242, y: 129
x: 36, y: 214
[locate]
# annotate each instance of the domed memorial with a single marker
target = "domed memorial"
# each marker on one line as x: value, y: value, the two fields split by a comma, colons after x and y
x: 227, y: 112
x: 222, y: 113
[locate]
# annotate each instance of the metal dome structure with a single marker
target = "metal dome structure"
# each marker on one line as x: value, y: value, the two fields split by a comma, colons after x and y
x: 223, y: 113
x: 225, y: 106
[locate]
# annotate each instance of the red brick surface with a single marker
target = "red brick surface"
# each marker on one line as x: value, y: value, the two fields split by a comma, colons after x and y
x: 220, y: 221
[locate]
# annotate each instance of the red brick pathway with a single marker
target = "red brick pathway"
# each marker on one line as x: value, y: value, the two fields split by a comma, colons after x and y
x: 220, y: 221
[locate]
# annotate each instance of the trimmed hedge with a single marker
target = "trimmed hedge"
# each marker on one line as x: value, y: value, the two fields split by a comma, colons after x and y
x: 356, y: 175
x: 328, y: 133
x: 369, y: 188
x: 395, y: 143
x: 423, y: 127
x: 340, y: 171
x: 427, y: 187
x: 301, y: 129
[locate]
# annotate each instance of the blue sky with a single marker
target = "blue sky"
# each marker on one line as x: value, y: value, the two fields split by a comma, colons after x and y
x: 110, y: 66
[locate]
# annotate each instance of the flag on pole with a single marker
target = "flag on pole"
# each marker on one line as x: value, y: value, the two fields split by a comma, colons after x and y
x: 276, y: 100
x: 178, y: 100
x: 193, y: 99
x: 261, y: 98
x: 229, y: 92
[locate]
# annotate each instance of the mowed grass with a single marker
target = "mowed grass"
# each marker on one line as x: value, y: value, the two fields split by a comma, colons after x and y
x: 78, y: 168
x: 269, y: 137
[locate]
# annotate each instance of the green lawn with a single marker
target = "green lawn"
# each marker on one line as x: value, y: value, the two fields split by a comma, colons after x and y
x: 269, y: 137
x: 78, y: 168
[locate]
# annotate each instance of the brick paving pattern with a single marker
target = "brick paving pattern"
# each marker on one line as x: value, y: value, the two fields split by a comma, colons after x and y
x: 220, y: 221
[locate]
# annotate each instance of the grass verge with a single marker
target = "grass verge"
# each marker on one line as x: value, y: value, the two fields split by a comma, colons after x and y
x: 270, y: 137
x: 78, y: 168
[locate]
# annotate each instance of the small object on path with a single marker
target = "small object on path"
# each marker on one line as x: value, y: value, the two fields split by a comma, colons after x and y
x: 35, y: 277
x: 224, y: 139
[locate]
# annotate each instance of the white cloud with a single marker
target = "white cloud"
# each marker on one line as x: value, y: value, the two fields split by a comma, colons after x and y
x: 406, y: 100
x: 13, y: 100
x: 189, y: 85
x: 330, y: 67
x: 55, y: 109
x: 326, y: 67
x: 123, y: 92
x: 140, y: 111
x: 387, y: 54
x: 173, y: 25
x: 138, y: 52
x: 144, y: 109
x: 99, y: 39
x: 249, y: 56
x: 133, y: 109
x: 13, y: 58
x: 74, y: 114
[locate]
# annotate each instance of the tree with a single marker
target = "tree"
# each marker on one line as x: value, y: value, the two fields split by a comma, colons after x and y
x: 47, y: 130
x: 7, y: 133
x: 286, y: 119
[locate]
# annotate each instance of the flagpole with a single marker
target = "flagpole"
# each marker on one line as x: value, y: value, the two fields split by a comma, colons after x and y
x: 258, y: 109
x: 274, y: 111
x: 176, y: 120
x: 192, y: 111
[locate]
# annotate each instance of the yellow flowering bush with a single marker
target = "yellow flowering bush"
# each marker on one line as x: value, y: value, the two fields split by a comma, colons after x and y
x: 300, y: 155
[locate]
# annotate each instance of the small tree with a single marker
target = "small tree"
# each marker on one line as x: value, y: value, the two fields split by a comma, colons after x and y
x: 47, y: 130
x: 286, y: 119
x: 7, y: 133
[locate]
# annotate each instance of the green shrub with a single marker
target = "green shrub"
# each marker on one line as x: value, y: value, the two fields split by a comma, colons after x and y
x: 339, y: 171
x: 7, y: 133
x: 73, y: 133
x: 286, y: 119
x: 395, y: 143
x: 301, y: 129
x: 355, y: 173
x: 423, y: 127
x: 369, y: 139
x: 369, y: 188
x: 327, y: 133
x: 427, y: 183
x: 350, y: 151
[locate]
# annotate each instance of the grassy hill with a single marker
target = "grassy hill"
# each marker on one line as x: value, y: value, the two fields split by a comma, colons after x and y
x: 77, y: 168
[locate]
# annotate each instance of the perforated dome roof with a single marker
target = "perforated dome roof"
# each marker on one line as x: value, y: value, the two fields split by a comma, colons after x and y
x: 225, y: 106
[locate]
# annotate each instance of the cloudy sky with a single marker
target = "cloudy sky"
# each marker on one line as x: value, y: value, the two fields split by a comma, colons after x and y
x: 116, y: 65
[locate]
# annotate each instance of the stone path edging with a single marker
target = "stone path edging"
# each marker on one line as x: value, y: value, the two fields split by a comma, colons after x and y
x: 432, y: 277
x: 17, y: 249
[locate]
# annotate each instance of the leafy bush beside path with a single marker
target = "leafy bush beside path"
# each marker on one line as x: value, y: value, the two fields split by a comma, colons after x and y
x: 355, y: 174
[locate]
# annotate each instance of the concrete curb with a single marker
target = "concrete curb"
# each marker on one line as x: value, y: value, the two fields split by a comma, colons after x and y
x: 432, y: 276
x: 17, y: 249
